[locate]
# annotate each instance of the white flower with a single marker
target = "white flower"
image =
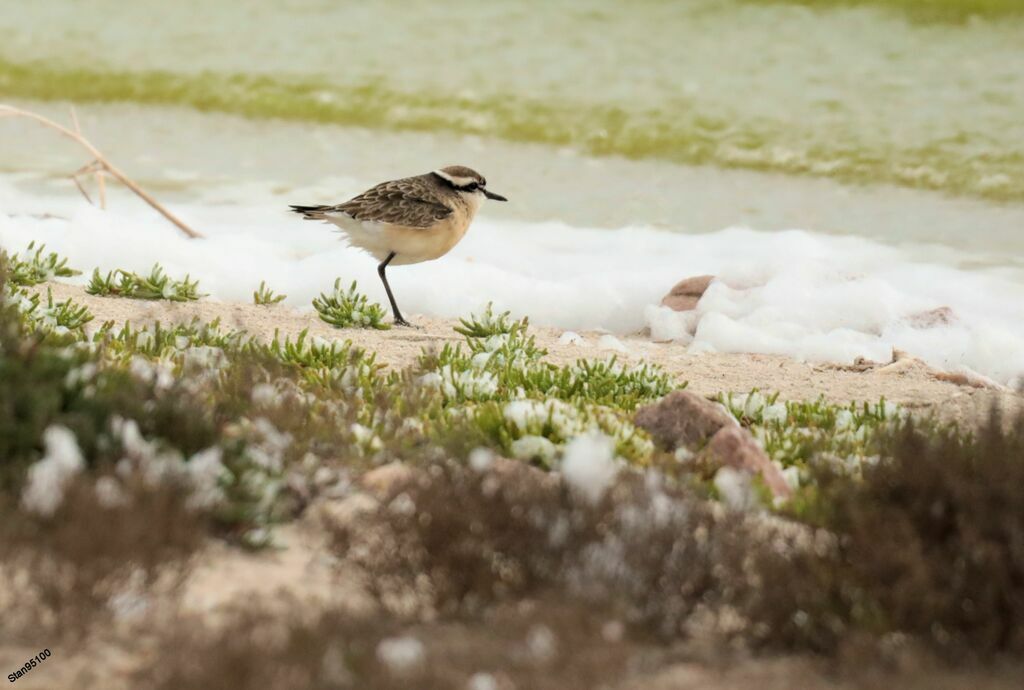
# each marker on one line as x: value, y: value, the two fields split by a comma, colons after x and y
x: 482, y: 681
x: 400, y: 654
x: 203, y: 357
x: 412, y: 424
x: 753, y: 405
x: 496, y: 342
x: 792, y: 476
x: 403, y: 504
x: 361, y: 433
x: 844, y: 420
x: 480, y: 459
x: 734, y: 404
x: 205, y: 469
x: 735, y: 489
x: 264, y: 394
x: 473, y: 385
x: 82, y: 374
x: 48, y: 478
x: 431, y: 379
x: 522, y: 413
x: 109, y: 493
x: 530, y: 447
x: 160, y: 373
x: 541, y: 643
x: 366, y: 437
x: 130, y: 603
x: 274, y: 440
x: 144, y: 340
x: 775, y: 413
x: 589, y: 465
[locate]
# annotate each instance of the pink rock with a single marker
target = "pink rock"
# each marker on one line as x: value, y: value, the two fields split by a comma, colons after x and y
x: 685, y: 294
x: 735, y: 447
x: 682, y: 419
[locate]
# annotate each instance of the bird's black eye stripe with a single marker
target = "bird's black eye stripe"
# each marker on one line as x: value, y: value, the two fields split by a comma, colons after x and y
x: 471, y: 187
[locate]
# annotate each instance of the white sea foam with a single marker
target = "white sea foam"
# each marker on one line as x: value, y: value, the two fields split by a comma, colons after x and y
x: 807, y: 295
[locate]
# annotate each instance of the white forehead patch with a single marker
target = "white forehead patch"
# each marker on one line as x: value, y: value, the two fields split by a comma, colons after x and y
x: 455, y: 179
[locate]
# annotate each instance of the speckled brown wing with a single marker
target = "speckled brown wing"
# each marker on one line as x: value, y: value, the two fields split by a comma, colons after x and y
x: 410, y: 202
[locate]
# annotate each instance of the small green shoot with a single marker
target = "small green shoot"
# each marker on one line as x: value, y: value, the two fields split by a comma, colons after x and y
x: 326, y: 363
x: 35, y: 268
x: 264, y: 296
x: 158, y: 340
x: 349, y: 308
x: 67, y: 314
x: 157, y: 285
x: 488, y: 324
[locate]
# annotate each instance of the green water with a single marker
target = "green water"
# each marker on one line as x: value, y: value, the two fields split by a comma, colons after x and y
x: 871, y: 91
x: 923, y: 10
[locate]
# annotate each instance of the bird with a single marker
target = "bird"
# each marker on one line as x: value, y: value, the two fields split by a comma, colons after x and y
x: 410, y: 220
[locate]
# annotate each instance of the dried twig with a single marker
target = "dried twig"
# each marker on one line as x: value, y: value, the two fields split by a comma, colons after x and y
x: 101, y: 186
x: 99, y: 166
x: 78, y: 183
x: 92, y: 167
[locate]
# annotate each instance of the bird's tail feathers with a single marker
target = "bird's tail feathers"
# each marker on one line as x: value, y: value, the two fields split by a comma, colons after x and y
x: 311, y: 212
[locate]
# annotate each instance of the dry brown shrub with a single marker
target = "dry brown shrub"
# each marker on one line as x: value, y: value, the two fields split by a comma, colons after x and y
x: 66, y: 569
x: 539, y: 644
x: 931, y: 542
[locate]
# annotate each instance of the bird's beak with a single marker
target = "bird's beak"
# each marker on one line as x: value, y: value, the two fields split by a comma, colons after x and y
x: 492, y: 195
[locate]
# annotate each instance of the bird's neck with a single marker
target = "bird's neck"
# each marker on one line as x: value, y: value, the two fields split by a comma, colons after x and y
x: 471, y: 202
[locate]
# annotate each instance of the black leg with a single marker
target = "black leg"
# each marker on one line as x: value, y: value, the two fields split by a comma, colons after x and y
x: 399, y: 321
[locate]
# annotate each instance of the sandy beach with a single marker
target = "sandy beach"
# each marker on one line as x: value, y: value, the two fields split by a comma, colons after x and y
x: 908, y: 382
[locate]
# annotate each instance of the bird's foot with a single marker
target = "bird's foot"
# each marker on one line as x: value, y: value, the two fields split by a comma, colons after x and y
x: 405, y: 324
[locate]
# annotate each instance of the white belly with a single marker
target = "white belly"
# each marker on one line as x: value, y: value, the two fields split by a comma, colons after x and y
x: 410, y: 245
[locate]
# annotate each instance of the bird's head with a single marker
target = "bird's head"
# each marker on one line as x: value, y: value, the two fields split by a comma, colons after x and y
x: 467, y: 181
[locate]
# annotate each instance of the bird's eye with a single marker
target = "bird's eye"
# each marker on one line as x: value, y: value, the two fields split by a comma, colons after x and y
x: 471, y: 187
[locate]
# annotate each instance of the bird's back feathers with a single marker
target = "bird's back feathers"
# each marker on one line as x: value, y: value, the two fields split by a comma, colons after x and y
x: 412, y: 202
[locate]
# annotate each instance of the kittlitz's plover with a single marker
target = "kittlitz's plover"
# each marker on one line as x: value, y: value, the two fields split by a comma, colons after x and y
x: 409, y: 220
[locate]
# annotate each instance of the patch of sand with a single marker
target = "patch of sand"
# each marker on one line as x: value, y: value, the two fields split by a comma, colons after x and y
x: 908, y: 382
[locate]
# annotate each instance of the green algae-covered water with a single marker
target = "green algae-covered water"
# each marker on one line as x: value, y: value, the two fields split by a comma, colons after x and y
x: 926, y: 94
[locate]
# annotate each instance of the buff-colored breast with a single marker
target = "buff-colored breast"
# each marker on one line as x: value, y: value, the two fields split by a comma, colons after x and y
x: 411, y: 245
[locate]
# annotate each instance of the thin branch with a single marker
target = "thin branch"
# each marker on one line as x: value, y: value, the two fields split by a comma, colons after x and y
x: 104, y: 164
x: 101, y: 186
x: 87, y: 168
x: 74, y: 120
x: 78, y: 183
x: 93, y: 167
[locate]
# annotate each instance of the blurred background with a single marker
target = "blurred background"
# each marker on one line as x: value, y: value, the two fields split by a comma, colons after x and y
x: 896, y: 122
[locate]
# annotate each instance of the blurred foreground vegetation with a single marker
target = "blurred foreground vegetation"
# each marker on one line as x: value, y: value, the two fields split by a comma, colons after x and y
x: 123, y: 451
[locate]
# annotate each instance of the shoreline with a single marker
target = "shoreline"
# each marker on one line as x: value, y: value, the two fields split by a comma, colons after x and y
x: 280, y: 154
